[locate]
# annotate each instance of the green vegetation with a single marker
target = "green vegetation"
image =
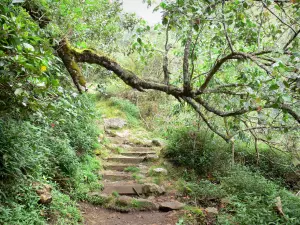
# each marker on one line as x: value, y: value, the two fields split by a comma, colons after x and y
x: 55, y: 149
x: 244, y: 196
x: 130, y: 110
x: 132, y: 169
x: 219, y: 80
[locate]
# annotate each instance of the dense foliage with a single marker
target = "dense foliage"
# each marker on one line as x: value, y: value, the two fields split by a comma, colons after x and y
x: 47, y: 131
x: 235, y: 63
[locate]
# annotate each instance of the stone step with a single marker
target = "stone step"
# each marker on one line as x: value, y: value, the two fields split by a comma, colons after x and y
x: 116, y: 175
x: 123, y: 189
x: 131, y: 188
x: 126, y: 160
x: 118, y: 167
x: 136, y: 160
x: 117, y: 140
x: 139, y: 149
x: 150, y: 153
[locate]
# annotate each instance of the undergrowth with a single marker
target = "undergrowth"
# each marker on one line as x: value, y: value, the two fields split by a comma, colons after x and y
x: 246, y: 193
x: 49, y: 148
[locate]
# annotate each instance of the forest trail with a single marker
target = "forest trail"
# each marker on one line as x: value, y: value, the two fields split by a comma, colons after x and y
x: 127, y: 179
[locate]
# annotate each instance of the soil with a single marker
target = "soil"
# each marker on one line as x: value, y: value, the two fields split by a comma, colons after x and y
x: 99, y: 216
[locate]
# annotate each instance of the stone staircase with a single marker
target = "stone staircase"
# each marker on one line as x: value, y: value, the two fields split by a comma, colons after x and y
x: 126, y: 172
x: 119, y: 180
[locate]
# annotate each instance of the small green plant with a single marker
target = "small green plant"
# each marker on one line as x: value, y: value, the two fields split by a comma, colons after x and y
x: 119, y: 150
x: 158, y: 180
x: 137, y: 177
x: 115, y: 194
x: 132, y: 169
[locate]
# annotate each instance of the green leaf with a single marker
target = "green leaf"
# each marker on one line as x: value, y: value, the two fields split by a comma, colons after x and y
x: 163, y: 5
x: 273, y: 87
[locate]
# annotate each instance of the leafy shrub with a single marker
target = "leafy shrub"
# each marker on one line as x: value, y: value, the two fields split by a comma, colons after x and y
x: 204, y: 192
x: 72, y: 117
x: 195, y: 150
x: 86, y: 178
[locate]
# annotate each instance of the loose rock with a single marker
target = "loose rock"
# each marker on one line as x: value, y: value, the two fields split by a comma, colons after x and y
x: 169, y: 206
x: 149, y: 189
x: 125, y: 200
x: 211, y: 211
x: 160, y: 171
x: 44, y: 192
x: 114, y: 123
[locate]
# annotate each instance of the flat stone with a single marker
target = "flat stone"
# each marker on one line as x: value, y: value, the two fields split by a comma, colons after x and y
x: 118, y: 167
x: 116, y: 175
x: 152, y: 153
x: 117, y: 140
x: 211, y: 211
x: 140, y: 203
x: 139, y: 149
x: 123, y: 134
x: 160, y: 171
x: 110, y: 133
x: 126, y: 159
x: 114, y: 123
x: 151, y: 158
x: 169, y: 206
x: 129, y: 189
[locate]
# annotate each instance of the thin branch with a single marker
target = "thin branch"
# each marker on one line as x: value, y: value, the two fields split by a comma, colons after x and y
x: 193, y: 51
x: 259, y: 29
x: 244, y: 110
x: 166, y: 60
x: 291, y: 39
x: 264, y: 4
x: 186, y: 73
x: 214, y: 70
x: 268, y: 127
x: 225, y: 29
x: 197, y: 109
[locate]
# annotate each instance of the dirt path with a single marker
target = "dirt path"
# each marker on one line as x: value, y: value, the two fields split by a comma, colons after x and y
x: 98, y: 216
x: 126, y: 178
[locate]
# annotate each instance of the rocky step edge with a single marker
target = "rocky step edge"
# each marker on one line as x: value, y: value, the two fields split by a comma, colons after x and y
x: 132, y: 188
x: 132, y: 160
x: 128, y: 204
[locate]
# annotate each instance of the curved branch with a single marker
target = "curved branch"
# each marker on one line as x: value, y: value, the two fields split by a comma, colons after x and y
x: 197, y: 109
x: 250, y: 109
x: 90, y: 56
